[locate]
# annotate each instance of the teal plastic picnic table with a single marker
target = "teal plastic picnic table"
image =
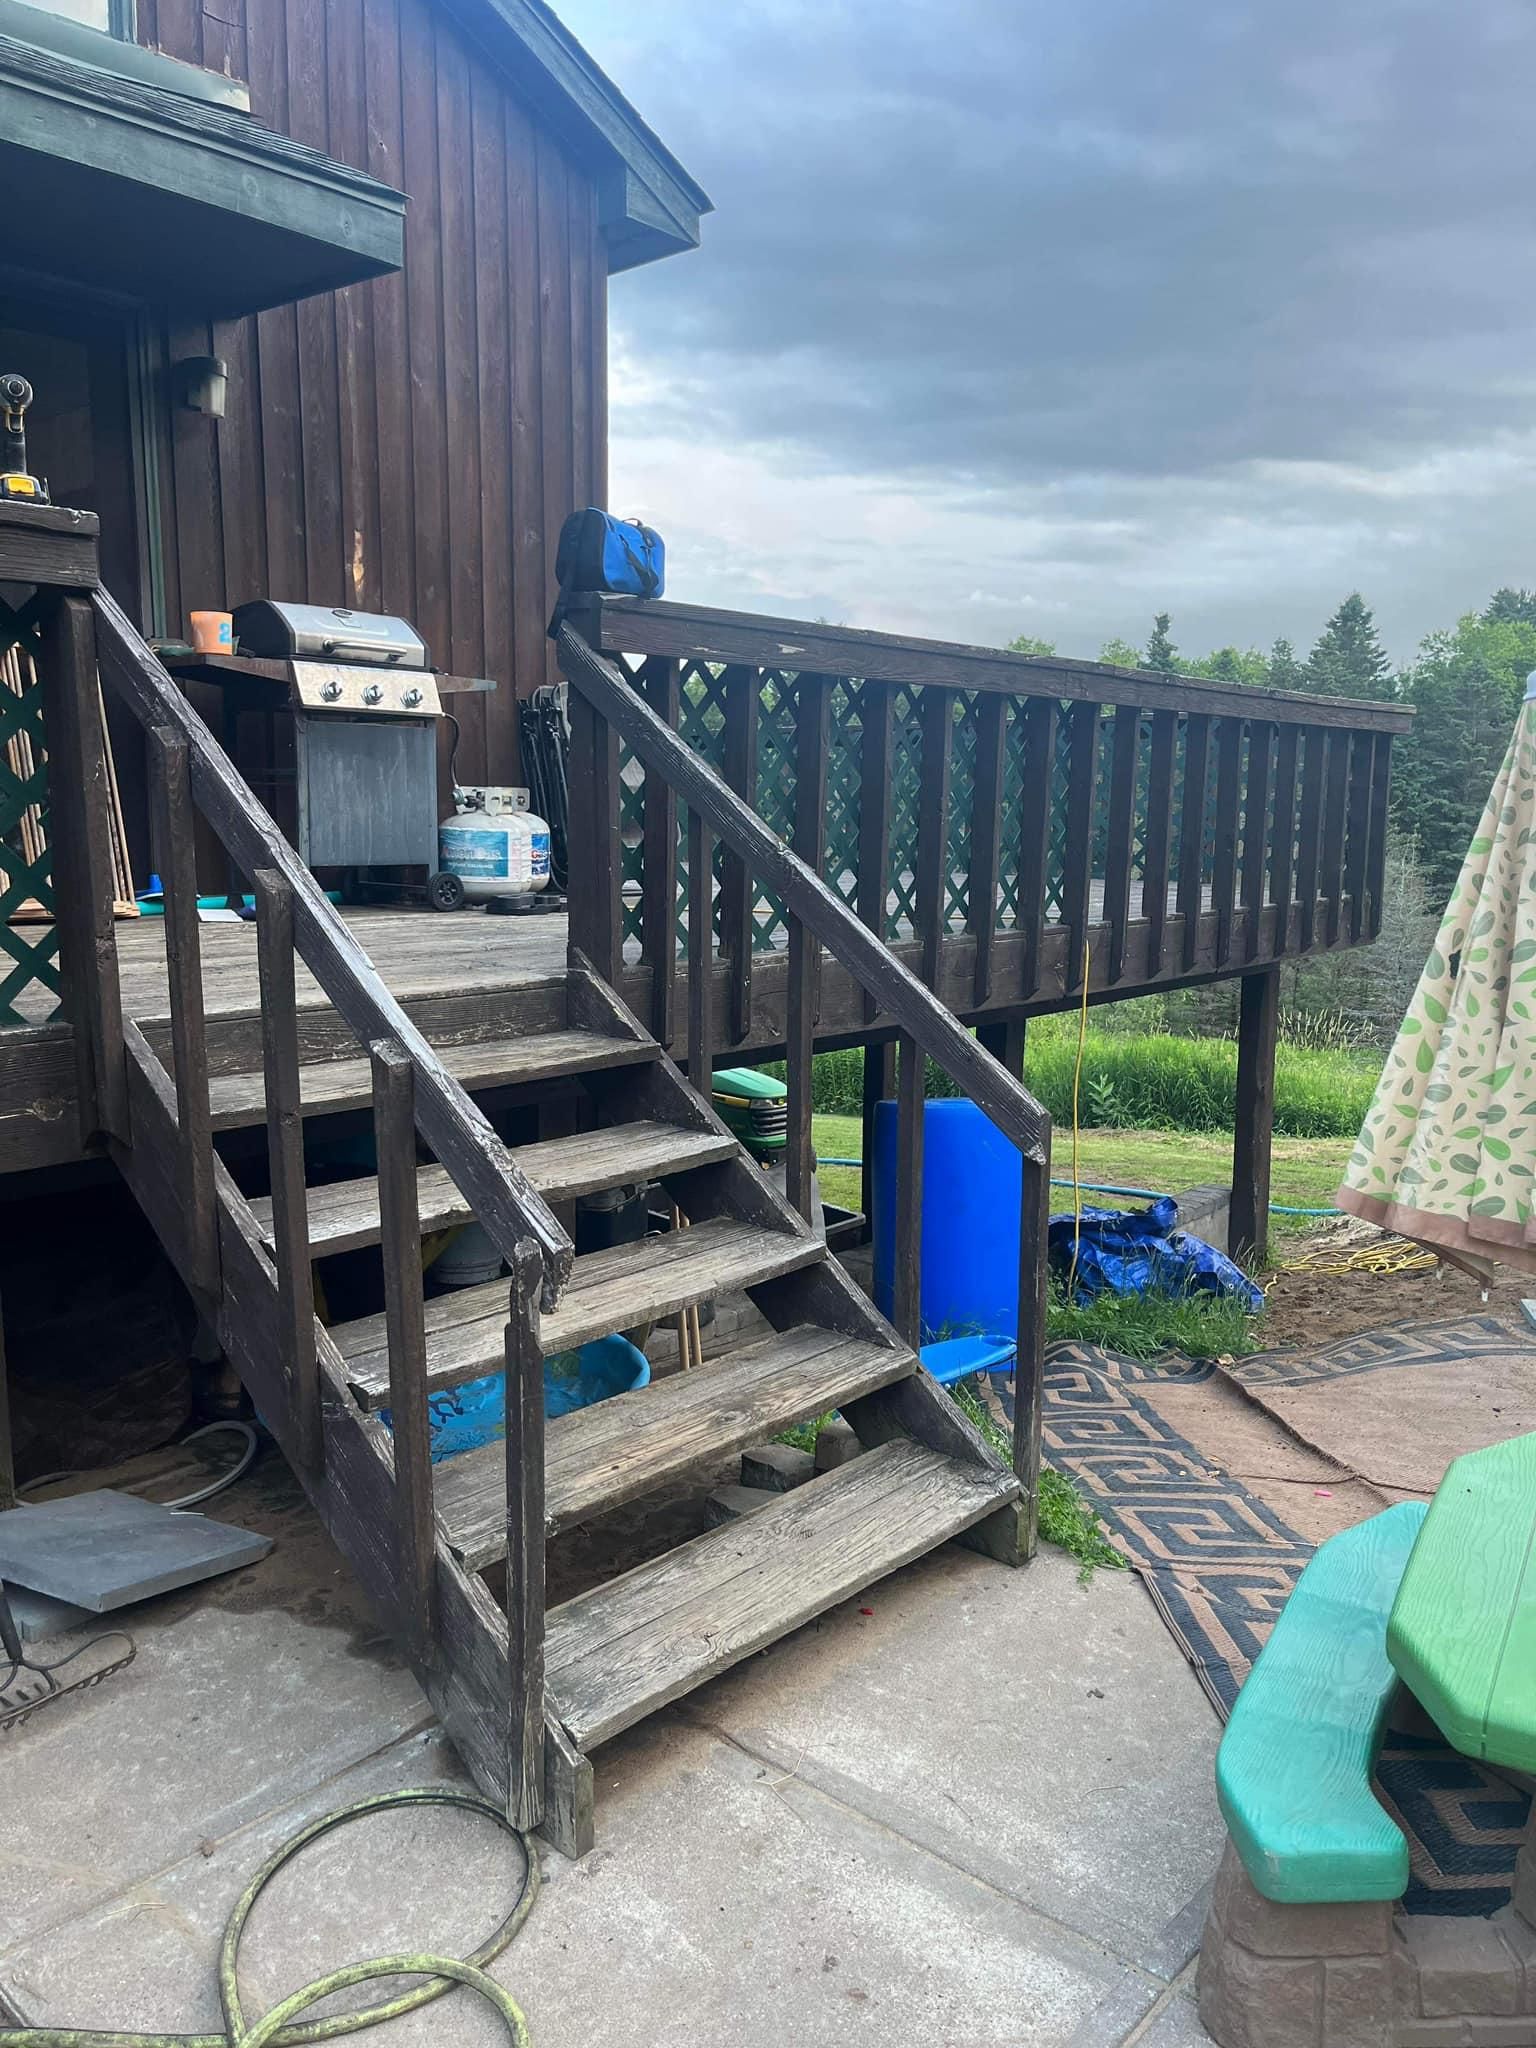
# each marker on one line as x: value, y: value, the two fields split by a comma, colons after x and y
x: 1462, y: 1631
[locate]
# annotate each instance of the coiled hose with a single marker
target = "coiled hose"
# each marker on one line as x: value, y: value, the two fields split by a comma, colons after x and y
x: 277, y: 2028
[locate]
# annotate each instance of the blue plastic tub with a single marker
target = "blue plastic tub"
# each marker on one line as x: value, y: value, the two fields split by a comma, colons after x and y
x: 465, y: 1417
x: 956, y: 1358
x: 972, y: 1188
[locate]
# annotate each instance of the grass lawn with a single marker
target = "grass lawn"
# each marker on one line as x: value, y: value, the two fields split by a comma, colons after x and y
x: 1305, y: 1174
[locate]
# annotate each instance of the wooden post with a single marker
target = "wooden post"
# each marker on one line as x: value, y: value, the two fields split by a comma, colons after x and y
x: 660, y: 679
x: 525, y: 1542
x: 907, y: 1297
x: 1003, y: 1037
x: 879, y: 1086
x: 285, y: 1156
x: 394, y: 1130
x: 701, y: 953
x: 1258, y: 1023
x: 812, y: 706
x: 172, y: 818
x: 79, y: 800
x: 1029, y: 1362
x: 596, y: 870
x: 737, y: 924
x: 1034, y: 851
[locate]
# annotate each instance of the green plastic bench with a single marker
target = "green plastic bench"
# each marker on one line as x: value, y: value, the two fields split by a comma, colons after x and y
x: 1463, y: 1629
x: 1293, y: 1774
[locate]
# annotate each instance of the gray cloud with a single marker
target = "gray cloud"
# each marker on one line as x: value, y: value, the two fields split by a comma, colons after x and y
x: 1107, y: 274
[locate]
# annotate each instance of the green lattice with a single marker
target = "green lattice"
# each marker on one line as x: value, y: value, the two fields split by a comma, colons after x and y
x: 1014, y: 727
x: 962, y: 807
x: 777, y: 727
x: 701, y: 722
x: 906, y: 778
x: 845, y: 740
x: 31, y: 949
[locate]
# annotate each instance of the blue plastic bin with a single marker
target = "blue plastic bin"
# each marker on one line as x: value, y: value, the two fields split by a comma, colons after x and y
x: 972, y: 1188
x: 463, y: 1418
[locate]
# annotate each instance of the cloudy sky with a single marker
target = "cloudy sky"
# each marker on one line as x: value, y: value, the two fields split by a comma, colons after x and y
x: 1040, y: 315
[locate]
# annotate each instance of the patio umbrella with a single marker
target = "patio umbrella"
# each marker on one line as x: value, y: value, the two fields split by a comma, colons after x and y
x: 1447, y: 1153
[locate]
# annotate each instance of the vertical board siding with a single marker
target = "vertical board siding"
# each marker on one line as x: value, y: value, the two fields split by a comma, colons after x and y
x: 413, y: 444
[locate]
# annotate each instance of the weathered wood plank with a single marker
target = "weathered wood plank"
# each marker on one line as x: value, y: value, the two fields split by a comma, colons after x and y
x: 176, y: 858
x: 1039, y: 715
x: 1029, y: 1363
x: 1155, y: 854
x: 1356, y: 854
x: 621, y: 625
x: 405, y: 1359
x: 628, y: 1647
x: 1124, y: 759
x: 79, y: 796
x: 523, y: 1514
x: 1254, y: 1123
x: 991, y: 715
x: 345, y: 1214
x: 51, y: 545
x: 596, y: 876
x: 907, y: 1300
x: 1376, y: 858
x: 875, y: 713
x: 601, y: 1457
x: 1256, y: 839
x: 1229, y: 748
x: 1283, y: 852
x: 701, y: 952
x: 346, y: 1084
x: 1309, y: 830
x: 930, y: 876
x: 615, y: 1289
x: 1077, y: 866
x: 1335, y: 825
x: 1191, y: 883
x: 740, y: 686
x: 661, y: 681
x: 812, y: 706
x: 285, y: 1157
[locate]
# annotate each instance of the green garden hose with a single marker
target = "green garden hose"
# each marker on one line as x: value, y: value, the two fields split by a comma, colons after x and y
x: 275, y: 2029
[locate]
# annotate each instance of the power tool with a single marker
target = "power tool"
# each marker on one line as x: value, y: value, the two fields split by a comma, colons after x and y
x: 16, y: 480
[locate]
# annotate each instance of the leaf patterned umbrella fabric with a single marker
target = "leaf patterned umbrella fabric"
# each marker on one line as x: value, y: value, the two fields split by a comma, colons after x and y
x: 1447, y: 1152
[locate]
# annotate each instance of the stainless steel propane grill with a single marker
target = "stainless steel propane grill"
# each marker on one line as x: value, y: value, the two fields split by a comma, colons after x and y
x: 332, y: 715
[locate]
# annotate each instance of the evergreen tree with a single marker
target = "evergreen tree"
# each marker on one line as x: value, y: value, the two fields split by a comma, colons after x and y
x: 1161, y: 655
x: 1465, y: 688
x: 1229, y: 665
x: 1508, y: 606
x: 1349, y: 659
x: 1285, y: 671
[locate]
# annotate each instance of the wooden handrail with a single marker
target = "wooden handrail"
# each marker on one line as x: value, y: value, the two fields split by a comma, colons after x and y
x: 504, y: 1202
x: 826, y: 917
x: 647, y: 626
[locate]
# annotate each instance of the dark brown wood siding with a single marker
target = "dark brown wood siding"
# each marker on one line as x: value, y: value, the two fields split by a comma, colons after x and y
x: 413, y: 444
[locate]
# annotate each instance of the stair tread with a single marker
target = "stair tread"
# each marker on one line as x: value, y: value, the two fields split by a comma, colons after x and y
x: 608, y: 1290
x: 346, y: 1214
x: 597, y: 1458
x: 624, y: 1649
x: 330, y: 1085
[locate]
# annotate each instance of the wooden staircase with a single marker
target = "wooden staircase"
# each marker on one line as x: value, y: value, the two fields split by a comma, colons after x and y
x: 454, y: 1555
x: 623, y: 1649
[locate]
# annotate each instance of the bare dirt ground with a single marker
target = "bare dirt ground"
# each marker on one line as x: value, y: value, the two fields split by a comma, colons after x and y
x: 1316, y: 1308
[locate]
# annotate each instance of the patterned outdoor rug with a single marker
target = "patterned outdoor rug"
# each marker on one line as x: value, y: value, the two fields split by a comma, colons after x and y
x: 1220, y: 1563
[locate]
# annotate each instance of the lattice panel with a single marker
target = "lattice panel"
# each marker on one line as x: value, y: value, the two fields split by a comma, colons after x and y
x: 26, y: 867
x: 906, y: 776
x: 631, y: 848
x: 777, y: 728
x: 1013, y: 816
x: 962, y: 813
x: 701, y: 722
x: 845, y: 739
x: 1056, y: 853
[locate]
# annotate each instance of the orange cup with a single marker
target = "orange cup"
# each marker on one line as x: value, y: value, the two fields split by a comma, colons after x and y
x: 213, y: 632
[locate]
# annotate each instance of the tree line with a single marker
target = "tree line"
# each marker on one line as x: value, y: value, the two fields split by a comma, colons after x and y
x: 1465, y: 686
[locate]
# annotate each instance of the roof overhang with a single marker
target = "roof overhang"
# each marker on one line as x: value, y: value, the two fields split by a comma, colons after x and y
x: 648, y: 205
x: 126, y: 188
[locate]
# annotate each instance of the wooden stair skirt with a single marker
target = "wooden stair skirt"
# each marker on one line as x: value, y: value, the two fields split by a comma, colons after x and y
x: 627, y: 1647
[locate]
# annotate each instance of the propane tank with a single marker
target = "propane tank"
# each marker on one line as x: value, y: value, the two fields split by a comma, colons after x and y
x: 494, y: 844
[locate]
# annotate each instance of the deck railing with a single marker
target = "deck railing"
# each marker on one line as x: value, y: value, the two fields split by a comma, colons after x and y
x: 1011, y: 824
x: 607, y: 712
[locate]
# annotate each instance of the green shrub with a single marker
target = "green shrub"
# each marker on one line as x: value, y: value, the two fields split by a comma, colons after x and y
x: 1156, y: 1082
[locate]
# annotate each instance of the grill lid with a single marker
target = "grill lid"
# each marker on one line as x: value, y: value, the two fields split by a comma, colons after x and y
x: 274, y: 631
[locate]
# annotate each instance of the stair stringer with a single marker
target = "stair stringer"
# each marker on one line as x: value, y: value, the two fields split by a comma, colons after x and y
x: 464, y: 1668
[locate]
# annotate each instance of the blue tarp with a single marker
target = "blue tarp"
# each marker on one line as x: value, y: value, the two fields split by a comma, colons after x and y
x: 1141, y: 1251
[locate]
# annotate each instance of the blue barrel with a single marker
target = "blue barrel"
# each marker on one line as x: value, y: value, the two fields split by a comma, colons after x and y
x: 972, y: 1189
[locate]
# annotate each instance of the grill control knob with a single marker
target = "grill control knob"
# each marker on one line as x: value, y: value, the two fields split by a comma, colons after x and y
x: 374, y: 693
x: 411, y: 697
x: 330, y: 691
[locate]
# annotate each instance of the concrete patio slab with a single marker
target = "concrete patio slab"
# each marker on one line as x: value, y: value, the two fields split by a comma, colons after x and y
x: 1043, y: 1735
x: 979, y: 1815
